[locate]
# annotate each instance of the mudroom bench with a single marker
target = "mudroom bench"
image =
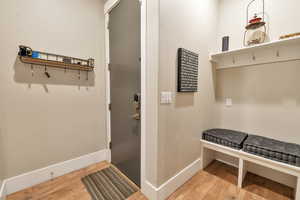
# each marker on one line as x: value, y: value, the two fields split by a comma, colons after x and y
x: 210, y: 149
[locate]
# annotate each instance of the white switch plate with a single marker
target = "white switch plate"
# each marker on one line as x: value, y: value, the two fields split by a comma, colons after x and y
x: 166, y: 97
x: 228, y: 102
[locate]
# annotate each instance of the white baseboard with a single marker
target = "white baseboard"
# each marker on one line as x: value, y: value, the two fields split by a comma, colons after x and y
x: 35, y: 177
x: 150, y: 191
x: 170, y: 186
x: 2, y: 190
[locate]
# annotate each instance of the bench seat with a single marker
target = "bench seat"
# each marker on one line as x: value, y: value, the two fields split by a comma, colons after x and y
x: 273, y: 149
x: 225, y: 137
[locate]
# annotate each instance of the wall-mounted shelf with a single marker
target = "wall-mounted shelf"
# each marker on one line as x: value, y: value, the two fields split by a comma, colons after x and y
x: 29, y: 56
x: 272, y: 52
x: 56, y: 64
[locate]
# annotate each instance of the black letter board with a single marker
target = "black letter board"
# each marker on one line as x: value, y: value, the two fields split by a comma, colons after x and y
x: 187, y: 71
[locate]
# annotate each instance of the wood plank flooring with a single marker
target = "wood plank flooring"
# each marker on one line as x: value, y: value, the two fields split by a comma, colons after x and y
x: 216, y: 182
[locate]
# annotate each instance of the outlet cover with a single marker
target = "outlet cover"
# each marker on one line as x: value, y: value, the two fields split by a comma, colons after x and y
x: 166, y: 97
x: 228, y: 102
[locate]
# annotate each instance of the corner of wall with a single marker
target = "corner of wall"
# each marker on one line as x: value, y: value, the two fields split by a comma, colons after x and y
x: 152, y: 63
x: 29, y: 179
x: 2, y: 190
x: 149, y: 190
x: 165, y: 190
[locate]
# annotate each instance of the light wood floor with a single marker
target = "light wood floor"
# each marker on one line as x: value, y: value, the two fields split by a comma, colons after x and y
x: 216, y: 182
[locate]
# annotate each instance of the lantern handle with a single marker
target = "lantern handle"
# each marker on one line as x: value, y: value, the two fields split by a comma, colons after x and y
x: 247, y: 20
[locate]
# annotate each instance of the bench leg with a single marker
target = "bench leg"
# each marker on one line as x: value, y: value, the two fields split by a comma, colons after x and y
x: 207, y: 156
x: 241, y: 173
x: 297, y: 190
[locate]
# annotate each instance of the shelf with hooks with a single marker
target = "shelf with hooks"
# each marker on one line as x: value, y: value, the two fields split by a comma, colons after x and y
x: 28, y: 56
x: 56, y: 64
x: 284, y: 50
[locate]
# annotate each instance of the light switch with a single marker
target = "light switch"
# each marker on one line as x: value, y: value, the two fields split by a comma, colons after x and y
x: 228, y: 102
x: 166, y: 98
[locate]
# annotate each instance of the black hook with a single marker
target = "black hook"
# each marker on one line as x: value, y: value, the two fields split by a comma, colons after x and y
x: 46, y: 73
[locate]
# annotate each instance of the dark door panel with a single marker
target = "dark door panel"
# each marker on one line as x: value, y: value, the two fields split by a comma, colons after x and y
x: 124, y: 31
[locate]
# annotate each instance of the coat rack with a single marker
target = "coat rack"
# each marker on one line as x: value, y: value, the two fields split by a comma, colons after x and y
x: 28, y: 56
x: 285, y: 50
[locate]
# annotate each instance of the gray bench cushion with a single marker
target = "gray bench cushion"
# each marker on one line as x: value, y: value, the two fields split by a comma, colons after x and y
x: 273, y: 149
x: 230, y: 138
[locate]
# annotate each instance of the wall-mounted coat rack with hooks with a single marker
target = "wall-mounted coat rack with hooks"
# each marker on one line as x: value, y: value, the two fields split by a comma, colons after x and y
x: 29, y: 56
x: 285, y: 50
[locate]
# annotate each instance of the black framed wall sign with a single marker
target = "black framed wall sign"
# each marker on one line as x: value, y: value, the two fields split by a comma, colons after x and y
x: 187, y: 71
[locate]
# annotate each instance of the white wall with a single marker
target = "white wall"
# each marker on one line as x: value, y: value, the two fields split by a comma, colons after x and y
x: 152, y: 85
x: 45, y: 121
x: 192, y: 25
x: 266, y: 98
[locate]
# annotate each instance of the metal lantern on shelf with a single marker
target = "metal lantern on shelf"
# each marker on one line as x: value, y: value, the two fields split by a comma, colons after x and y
x: 256, y: 25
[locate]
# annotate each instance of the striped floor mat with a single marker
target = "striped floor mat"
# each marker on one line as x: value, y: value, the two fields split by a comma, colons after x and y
x: 108, y: 184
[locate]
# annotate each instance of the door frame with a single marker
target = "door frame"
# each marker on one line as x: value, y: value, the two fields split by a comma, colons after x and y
x: 108, y: 6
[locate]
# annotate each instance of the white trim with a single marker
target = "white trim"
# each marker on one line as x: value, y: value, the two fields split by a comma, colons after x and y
x: 109, y: 5
x: 178, y: 180
x: 152, y: 104
x: 297, y: 190
x: 150, y: 69
x: 2, y: 191
x: 107, y: 77
x: 150, y: 191
x: 35, y: 177
x: 170, y: 186
x: 143, y: 90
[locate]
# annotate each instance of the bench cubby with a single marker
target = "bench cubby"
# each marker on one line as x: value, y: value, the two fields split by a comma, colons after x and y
x: 208, y: 154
